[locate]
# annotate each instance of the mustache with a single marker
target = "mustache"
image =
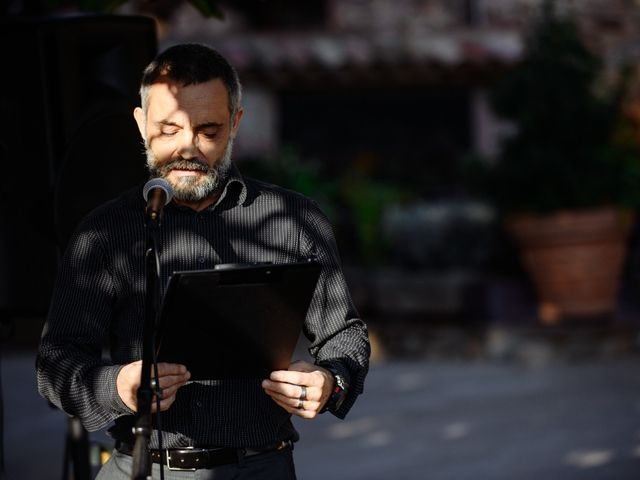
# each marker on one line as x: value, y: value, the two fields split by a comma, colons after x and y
x: 186, y: 164
x: 192, y: 164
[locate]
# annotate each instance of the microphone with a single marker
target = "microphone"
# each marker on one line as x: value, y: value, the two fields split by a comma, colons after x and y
x: 157, y: 193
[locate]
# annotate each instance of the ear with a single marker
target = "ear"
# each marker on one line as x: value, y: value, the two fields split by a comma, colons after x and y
x: 141, y: 120
x: 236, y: 122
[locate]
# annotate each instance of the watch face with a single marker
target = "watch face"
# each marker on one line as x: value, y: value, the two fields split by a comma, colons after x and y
x: 339, y: 393
x: 341, y: 383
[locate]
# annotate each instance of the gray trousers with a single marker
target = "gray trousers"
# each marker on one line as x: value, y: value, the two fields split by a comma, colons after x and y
x: 276, y: 465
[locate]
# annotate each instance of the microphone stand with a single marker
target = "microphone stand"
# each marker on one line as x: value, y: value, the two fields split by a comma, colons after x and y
x: 143, y: 427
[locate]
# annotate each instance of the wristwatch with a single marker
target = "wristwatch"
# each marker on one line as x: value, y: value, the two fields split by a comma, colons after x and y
x: 338, y: 394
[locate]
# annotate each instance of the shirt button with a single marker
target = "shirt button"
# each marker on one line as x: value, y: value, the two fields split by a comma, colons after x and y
x: 199, y: 404
x: 201, y: 260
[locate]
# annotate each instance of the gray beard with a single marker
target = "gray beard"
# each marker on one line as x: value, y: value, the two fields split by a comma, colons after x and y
x: 192, y: 188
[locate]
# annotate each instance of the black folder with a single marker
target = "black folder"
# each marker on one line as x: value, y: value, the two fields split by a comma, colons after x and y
x: 239, y: 321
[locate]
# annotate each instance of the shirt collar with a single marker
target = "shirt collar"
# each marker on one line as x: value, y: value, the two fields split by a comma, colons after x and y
x: 234, y: 191
x: 235, y: 185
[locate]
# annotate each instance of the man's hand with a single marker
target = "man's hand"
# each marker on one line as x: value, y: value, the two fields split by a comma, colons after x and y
x: 171, y: 377
x: 286, y: 388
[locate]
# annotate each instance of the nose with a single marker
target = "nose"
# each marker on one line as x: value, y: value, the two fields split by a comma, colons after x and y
x: 187, y: 147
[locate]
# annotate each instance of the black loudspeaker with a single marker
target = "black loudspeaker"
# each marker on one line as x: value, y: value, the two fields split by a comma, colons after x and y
x: 68, y: 141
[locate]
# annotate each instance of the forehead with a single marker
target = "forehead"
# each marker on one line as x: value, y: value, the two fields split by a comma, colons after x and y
x: 167, y: 98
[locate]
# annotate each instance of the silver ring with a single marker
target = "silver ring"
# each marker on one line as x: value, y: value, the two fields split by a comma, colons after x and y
x: 300, y: 405
x: 154, y: 384
x: 303, y: 393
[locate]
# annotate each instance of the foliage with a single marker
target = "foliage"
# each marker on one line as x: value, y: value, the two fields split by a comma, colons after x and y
x: 287, y: 170
x: 352, y: 201
x: 366, y: 200
x: 573, y: 147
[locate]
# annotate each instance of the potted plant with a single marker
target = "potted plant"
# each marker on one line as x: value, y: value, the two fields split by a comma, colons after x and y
x: 568, y: 179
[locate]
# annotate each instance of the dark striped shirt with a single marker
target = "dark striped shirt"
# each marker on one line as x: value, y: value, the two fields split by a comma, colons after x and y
x: 99, y: 300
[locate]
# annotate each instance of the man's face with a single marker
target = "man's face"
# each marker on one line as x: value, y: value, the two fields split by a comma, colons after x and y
x: 188, y: 134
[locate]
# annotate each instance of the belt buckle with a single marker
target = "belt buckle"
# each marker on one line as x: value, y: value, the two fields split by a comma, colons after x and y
x: 180, y: 469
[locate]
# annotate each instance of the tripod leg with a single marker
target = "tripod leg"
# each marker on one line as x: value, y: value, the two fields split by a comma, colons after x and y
x: 78, y: 447
x: 66, y: 461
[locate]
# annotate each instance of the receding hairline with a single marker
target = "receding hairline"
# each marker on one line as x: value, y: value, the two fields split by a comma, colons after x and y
x: 145, y: 90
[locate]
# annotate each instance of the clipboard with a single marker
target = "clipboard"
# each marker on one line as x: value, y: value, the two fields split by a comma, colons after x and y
x: 235, y: 321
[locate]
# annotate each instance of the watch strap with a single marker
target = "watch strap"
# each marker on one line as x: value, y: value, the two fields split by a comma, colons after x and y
x: 338, y: 393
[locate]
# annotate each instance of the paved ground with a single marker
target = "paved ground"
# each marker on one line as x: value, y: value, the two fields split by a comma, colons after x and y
x: 420, y: 419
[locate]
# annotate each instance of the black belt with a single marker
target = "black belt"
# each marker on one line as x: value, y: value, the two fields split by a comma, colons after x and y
x: 190, y: 458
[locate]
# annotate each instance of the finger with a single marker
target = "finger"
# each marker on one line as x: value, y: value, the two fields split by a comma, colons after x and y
x: 296, y: 378
x: 307, y: 414
x: 283, y: 388
x: 167, y: 397
x: 166, y: 369
x: 284, y: 399
x: 292, y: 391
x: 170, y: 380
x: 284, y: 403
x: 170, y: 391
x: 165, y: 403
x: 294, y: 402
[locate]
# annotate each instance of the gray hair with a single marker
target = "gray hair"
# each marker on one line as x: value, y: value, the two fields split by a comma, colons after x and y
x: 189, y: 64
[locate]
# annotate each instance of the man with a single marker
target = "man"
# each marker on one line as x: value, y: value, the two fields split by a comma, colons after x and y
x: 189, y: 116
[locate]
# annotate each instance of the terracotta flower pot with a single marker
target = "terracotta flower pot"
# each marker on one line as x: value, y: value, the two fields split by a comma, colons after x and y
x: 574, y: 258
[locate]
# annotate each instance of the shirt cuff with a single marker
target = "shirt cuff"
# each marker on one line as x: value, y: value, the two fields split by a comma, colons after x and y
x: 106, y: 391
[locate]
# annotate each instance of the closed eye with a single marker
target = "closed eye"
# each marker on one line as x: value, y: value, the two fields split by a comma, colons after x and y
x: 168, y: 128
x: 209, y: 130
